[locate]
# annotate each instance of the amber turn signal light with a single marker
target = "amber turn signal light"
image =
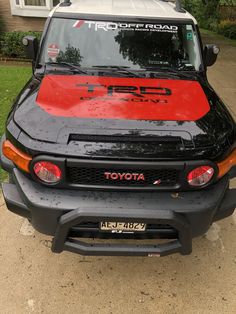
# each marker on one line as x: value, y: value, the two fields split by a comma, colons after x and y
x: 225, y: 165
x: 19, y: 158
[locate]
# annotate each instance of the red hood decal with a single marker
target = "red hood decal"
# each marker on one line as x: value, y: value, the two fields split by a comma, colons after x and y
x: 122, y: 98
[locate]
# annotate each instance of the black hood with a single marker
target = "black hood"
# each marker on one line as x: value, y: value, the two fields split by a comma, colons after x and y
x: 96, y: 137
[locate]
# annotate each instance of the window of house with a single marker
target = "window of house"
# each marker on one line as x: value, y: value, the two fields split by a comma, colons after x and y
x: 34, y: 8
x: 35, y: 2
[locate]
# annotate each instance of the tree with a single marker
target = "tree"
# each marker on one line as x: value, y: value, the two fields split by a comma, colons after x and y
x: 205, y: 11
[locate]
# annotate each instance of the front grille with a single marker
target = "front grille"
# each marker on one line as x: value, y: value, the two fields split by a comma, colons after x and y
x: 96, y: 176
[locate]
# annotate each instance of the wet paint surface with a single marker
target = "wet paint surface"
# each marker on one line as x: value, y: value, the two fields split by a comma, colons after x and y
x: 122, y: 98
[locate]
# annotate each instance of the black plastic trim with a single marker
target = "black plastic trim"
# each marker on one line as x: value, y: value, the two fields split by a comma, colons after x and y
x: 15, y: 202
x: 62, y: 242
x: 232, y: 172
x: 190, y: 213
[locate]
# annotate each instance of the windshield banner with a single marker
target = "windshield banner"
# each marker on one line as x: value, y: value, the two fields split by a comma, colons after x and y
x: 107, y: 26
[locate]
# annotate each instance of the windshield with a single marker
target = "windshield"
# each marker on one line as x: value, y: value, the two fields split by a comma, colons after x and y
x: 136, y: 46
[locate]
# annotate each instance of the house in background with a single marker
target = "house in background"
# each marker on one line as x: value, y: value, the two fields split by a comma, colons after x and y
x: 25, y: 15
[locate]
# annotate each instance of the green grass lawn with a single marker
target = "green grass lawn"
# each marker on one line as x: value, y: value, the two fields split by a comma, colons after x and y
x: 12, y: 79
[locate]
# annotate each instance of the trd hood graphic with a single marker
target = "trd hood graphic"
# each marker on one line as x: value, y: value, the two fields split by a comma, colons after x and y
x: 122, y: 98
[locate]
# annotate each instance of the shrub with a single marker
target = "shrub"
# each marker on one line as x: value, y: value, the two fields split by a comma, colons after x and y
x: 11, y: 43
x: 227, y: 28
x: 207, y: 13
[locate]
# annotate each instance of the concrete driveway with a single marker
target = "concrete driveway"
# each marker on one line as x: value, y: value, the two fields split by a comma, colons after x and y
x: 33, y: 280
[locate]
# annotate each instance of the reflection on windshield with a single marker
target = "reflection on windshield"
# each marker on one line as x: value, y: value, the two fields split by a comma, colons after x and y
x: 132, y: 45
x: 70, y: 55
x: 160, y: 49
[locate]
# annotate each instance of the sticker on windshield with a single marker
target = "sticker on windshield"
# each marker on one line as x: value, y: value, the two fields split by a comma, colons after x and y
x: 111, y: 26
x: 189, y: 36
x: 53, y: 51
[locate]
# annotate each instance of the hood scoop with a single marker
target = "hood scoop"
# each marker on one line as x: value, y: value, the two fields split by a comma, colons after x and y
x: 124, y: 139
x: 159, y: 142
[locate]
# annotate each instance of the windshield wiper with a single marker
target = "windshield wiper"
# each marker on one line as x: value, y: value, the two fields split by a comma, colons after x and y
x: 120, y: 69
x: 171, y: 71
x: 72, y: 67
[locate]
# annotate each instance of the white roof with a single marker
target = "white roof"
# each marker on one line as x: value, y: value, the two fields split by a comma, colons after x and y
x: 132, y: 8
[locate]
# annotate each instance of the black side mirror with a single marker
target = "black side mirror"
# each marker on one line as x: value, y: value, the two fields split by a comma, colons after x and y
x: 210, y: 54
x: 31, y: 47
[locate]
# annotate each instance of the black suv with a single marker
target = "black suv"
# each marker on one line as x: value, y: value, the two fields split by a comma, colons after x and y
x: 118, y: 134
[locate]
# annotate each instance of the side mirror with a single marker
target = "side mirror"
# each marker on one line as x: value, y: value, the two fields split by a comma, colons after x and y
x: 31, y: 47
x: 210, y: 54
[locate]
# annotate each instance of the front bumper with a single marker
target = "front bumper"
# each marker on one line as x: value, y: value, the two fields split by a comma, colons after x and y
x: 61, y: 213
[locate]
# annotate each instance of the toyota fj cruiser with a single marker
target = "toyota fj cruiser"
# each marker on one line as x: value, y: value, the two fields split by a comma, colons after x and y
x: 118, y: 134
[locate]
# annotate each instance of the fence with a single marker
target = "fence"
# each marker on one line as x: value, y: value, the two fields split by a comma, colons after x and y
x: 228, y: 12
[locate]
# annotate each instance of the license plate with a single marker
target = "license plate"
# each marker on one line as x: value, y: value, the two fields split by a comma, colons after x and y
x: 122, y: 226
